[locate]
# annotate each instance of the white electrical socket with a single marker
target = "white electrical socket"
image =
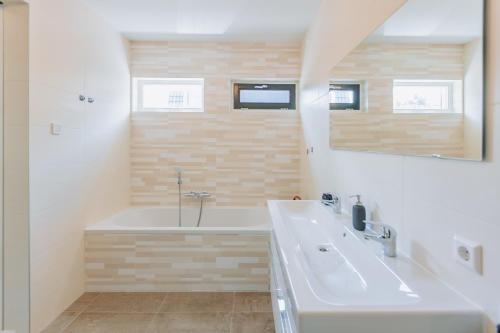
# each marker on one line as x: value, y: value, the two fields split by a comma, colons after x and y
x: 468, y: 253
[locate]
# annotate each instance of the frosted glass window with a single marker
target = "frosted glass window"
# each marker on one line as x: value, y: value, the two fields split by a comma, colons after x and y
x: 168, y: 95
x: 265, y: 96
x: 423, y: 96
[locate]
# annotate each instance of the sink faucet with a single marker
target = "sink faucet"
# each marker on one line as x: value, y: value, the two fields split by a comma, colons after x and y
x: 332, y: 200
x: 387, y: 237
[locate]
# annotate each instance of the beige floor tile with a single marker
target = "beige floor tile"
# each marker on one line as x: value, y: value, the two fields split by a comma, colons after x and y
x: 61, y: 322
x: 110, y: 323
x: 252, y: 323
x: 82, y: 302
x: 191, y: 323
x: 127, y: 303
x: 252, y: 302
x: 198, y: 302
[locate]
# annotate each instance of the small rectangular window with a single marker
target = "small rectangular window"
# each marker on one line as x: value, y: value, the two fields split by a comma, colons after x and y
x: 167, y: 95
x: 345, y: 96
x: 426, y: 96
x: 264, y: 96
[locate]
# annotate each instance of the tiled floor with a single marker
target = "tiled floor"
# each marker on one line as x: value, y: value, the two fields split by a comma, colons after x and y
x: 167, y: 313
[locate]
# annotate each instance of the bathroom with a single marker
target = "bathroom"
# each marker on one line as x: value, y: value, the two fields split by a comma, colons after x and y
x: 250, y: 166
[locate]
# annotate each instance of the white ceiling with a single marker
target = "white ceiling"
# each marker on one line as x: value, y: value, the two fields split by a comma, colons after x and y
x: 218, y: 20
x: 440, y: 21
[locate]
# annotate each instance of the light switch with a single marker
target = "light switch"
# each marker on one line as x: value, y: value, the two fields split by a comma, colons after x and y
x: 55, y: 128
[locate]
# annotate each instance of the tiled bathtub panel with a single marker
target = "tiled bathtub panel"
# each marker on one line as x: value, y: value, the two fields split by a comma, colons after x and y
x: 176, y: 262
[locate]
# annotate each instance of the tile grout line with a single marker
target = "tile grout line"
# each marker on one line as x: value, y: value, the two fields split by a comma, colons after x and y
x: 234, y: 302
x: 232, y: 313
x: 79, y: 312
x: 70, y: 322
x: 155, y: 315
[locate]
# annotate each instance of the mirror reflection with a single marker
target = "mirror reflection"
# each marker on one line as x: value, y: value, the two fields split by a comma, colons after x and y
x: 415, y: 85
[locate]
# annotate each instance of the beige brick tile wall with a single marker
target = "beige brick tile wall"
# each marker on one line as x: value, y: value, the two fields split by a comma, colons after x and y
x: 242, y: 157
x: 378, y: 129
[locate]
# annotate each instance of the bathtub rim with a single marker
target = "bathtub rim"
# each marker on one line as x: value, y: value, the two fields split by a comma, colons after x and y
x: 107, y: 226
x: 177, y: 230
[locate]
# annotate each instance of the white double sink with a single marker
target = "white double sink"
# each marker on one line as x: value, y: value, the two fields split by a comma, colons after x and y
x: 327, y: 278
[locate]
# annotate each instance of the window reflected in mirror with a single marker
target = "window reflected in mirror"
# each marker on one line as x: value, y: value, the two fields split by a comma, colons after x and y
x: 427, y: 96
x: 415, y: 85
x: 345, y: 96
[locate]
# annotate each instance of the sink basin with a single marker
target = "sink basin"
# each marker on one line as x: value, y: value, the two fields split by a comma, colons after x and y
x: 328, y: 278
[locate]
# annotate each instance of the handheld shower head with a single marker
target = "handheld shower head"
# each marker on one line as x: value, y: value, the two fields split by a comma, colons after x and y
x: 179, y: 175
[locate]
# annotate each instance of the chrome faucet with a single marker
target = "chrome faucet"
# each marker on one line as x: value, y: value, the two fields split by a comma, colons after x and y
x: 197, y: 195
x: 387, y: 237
x: 179, y: 187
x: 332, y: 200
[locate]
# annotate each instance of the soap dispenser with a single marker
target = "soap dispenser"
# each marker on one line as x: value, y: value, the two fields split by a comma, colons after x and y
x: 358, y: 214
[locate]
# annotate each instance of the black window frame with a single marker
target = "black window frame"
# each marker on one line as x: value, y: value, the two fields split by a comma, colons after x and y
x: 355, y: 105
x: 290, y: 87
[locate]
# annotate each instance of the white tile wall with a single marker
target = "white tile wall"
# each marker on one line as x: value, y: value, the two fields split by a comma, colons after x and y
x: 81, y: 175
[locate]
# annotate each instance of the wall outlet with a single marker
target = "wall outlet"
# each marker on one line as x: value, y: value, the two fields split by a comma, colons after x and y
x: 468, y: 253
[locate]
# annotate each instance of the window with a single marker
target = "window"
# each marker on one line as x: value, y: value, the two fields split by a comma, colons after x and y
x: 345, y: 96
x: 264, y: 96
x: 427, y: 96
x: 167, y: 95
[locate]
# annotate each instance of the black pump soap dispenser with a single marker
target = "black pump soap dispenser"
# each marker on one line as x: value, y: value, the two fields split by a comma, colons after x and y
x: 358, y: 214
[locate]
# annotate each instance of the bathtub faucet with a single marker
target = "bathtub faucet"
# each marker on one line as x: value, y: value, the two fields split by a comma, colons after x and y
x: 197, y: 195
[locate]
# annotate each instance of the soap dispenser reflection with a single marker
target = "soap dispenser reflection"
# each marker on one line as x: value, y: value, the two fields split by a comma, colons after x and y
x: 358, y: 214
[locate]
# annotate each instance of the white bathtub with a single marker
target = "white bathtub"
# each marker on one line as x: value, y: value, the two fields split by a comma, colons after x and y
x: 160, y: 219
x: 144, y: 249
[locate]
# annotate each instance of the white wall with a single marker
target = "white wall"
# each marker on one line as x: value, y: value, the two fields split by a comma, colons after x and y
x: 81, y: 175
x: 427, y: 200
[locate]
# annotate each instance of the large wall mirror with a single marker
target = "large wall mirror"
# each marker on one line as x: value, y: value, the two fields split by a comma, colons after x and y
x: 415, y: 85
